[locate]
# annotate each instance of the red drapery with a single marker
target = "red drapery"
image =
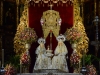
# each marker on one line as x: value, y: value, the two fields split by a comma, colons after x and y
x: 35, y: 14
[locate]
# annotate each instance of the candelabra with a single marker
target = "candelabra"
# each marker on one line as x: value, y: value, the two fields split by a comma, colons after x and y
x: 2, y: 71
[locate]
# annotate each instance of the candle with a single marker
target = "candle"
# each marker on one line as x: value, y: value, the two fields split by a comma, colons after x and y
x: 2, y: 57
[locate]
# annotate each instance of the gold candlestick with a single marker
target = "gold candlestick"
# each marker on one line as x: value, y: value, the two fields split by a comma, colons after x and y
x: 51, y: 40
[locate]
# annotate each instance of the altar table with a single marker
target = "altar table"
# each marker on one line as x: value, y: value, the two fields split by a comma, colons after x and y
x: 49, y: 74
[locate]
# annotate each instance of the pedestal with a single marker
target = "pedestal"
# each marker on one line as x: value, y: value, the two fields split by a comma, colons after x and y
x: 49, y: 72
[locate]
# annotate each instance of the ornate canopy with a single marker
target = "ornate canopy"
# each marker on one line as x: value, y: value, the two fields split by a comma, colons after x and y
x: 50, y: 22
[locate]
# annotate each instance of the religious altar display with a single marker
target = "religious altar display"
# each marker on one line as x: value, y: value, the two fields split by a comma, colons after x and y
x: 51, y: 52
x: 58, y: 61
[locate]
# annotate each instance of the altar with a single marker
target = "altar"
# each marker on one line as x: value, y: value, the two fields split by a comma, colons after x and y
x: 50, y: 27
x: 49, y: 74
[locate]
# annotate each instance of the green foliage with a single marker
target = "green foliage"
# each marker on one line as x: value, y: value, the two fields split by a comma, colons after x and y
x: 89, y: 59
x: 14, y: 60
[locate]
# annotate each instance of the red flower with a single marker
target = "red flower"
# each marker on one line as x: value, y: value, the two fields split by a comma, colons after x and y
x: 10, y: 70
x: 91, y: 70
x: 73, y: 35
x: 28, y: 35
x: 74, y: 59
x: 25, y: 59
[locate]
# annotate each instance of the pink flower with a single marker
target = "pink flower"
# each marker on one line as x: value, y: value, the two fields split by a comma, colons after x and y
x: 25, y: 59
x: 28, y: 35
x: 73, y: 35
x: 10, y: 70
x: 91, y: 70
x: 74, y: 59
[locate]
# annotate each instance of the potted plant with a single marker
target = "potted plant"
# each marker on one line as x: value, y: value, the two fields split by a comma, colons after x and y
x: 88, y: 62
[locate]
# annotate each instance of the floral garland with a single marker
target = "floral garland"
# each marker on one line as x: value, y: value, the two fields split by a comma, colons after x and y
x: 73, y: 35
x: 53, y: 1
x: 28, y: 35
x: 91, y: 70
x: 75, y: 59
x: 25, y: 59
x: 64, y: 1
x: 36, y: 1
x: 10, y: 70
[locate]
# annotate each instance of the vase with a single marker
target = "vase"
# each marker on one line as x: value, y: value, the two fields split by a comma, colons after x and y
x: 25, y: 68
x: 27, y: 46
x: 76, y: 70
x: 74, y: 45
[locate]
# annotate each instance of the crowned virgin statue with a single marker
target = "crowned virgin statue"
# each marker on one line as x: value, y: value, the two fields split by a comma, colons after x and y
x: 41, y: 60
x: 59, y: 60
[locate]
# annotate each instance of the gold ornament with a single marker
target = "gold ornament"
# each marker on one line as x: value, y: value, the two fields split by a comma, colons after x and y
x: 83, y: 44
x: 50, y: 22
x: 19, y: 47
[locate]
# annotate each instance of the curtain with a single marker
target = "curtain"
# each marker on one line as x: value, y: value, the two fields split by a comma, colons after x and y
x: 35, y: 14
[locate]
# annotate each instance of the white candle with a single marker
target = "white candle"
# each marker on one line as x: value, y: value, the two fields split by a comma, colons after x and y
x: 2, y: 57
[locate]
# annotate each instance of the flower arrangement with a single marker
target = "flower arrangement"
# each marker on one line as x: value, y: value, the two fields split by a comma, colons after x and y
x: 10, y: 70
x: 91, y: 70
x: 73, y: 35
x: 25, y: 59
x: 28, y: 35
x: 75, y: 59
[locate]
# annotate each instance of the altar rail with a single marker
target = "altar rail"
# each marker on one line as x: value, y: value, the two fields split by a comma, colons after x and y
x: 49, y: 74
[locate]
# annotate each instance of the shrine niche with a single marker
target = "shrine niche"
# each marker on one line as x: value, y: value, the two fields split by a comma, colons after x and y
x: 64, y: 13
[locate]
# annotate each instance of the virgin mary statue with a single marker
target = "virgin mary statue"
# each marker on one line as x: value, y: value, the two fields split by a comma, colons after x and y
x: 41, y: 60
x: 59, y: 60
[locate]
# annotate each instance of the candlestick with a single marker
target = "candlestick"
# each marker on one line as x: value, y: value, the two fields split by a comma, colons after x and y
x: 51, y: 40
x: 2, y: 57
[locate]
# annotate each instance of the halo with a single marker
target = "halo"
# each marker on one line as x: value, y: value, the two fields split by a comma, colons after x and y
x: 41, y: 40
x: 61, y: 37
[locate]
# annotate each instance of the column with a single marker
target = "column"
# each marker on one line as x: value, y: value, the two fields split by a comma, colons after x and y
x: 17, y: 15
x: 1, y: 12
